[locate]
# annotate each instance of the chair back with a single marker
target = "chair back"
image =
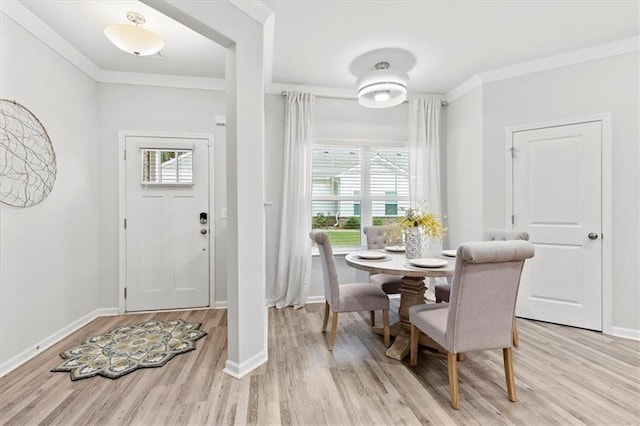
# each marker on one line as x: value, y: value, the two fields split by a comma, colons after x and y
x: 378, y: 237
x: 483, y: 294
x: 329, y: 271
x: 496, y: 234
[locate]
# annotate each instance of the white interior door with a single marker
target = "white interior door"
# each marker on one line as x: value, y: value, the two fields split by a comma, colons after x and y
x: 557, y: 199
x: 166, y: 234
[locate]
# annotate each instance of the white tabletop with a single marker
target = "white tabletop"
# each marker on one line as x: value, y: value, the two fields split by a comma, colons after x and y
x: 398, y: 264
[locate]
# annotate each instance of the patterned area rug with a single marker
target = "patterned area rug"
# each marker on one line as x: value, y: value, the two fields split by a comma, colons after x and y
x: 125, y: 349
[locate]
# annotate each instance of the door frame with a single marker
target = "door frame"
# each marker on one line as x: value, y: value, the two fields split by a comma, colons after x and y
x: 606, y: 206
x: 122, y: 208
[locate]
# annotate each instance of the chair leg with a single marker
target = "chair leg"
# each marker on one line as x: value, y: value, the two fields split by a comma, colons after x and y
x: 373, y: 318
x: 334, y: 329
x: 415, y: 336
x: 453, y: 380
x: 385, y: 325
x: 507, y: 354
x: 326, y: 317
x: 514, y: 332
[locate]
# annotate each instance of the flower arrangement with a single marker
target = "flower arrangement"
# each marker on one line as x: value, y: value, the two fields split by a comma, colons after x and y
x: 429, y: 224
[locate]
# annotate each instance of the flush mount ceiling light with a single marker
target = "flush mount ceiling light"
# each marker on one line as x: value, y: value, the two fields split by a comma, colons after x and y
x: 133, y: 38
x: 383, y: 87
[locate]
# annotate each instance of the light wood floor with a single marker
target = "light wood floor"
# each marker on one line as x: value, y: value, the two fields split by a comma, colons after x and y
x: 563, y: 376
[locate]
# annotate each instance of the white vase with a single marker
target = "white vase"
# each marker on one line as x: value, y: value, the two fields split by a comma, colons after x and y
x: 413, y: 242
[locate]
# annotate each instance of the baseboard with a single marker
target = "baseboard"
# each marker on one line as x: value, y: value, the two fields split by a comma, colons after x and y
x: 238, y: 371
x: 316, y: 299
x: 47, y: 342
x: 220, y: 305
x: 626, y: 333
x: 107, y: 312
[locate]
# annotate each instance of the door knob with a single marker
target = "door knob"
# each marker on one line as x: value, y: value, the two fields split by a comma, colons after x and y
x: 203, y: 231
x: 593, y: 236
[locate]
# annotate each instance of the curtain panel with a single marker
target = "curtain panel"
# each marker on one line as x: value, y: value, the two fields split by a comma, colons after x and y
x: 424, y: 162
x: 293, y: 275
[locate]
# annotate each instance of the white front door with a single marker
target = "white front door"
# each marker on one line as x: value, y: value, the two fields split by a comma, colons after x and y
x: 557, y: 199
x: 167, y: 223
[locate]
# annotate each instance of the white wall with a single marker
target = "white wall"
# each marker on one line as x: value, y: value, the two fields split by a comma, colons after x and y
x: 154, y: 109
x: 347, y: 119
x: 605, y: 85
x: 464, y: 168
x: 49, y: 263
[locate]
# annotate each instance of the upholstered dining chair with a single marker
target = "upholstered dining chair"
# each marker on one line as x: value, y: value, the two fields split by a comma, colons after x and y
x: 490, y: 234
x: 378, y: 238
x: 480, y: 313
x: 354, y: 297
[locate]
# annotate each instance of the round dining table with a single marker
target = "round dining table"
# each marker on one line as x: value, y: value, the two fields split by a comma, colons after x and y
x: 411, y: 292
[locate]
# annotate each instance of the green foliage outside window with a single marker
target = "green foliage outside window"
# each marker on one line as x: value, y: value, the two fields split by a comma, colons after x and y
x: 320, y: 221
x: 352, y: 223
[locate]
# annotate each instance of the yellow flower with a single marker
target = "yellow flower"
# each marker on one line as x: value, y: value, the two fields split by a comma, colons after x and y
x: 430, y: 224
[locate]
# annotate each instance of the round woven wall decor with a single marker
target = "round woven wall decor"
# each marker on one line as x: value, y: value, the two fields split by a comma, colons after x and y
x: 27, y: 159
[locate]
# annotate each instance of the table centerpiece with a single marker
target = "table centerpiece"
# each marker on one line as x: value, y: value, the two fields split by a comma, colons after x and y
x: 423, y: 231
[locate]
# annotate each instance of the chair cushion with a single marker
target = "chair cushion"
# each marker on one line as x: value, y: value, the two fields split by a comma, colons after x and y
x: 390, y: 284
x: 494, y: 234
x: 361, y: 297
x: 494, y: 251
x: 431, y: 319
x: 378, y: 237
x: 442, y: 292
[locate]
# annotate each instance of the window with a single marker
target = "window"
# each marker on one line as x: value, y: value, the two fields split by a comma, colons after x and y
x: 357, y: 184
x: 167, y: 167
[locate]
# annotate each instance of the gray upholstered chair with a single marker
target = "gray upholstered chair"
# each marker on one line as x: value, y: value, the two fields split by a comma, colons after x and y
x: 347, y: 297
x: 378, y: 238
x: 479, y: 315
x: 490, y: 234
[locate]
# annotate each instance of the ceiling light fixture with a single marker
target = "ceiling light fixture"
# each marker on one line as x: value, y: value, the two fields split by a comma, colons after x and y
x: 383, y: 87
x: 133, y: 38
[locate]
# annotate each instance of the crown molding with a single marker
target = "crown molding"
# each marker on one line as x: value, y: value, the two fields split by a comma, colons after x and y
x: 33, y: 25
x: 255, y: 9
x: 161, y: 80
x: 600, y: 51
x: 462, y: 89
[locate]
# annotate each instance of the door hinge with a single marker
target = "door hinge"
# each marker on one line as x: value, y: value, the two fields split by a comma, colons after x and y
x: 513, y: 152
x: 125, y: 224
x: 125, y: 155
x: 125, y: 292
x: 513, y: 219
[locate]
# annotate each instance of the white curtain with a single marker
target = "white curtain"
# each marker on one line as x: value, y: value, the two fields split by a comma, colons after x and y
x: 294, y: 254
x: 424, y: 161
